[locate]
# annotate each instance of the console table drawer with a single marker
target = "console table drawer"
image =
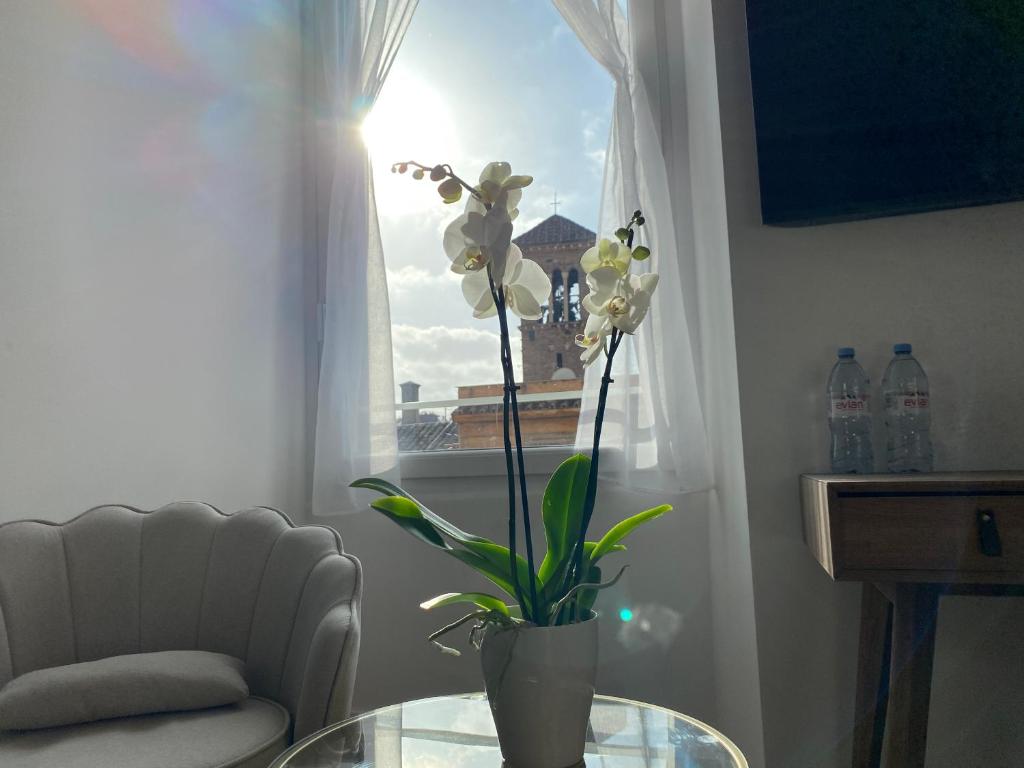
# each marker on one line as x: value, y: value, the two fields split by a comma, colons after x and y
x: 963, y: 527
x: 929, y: 533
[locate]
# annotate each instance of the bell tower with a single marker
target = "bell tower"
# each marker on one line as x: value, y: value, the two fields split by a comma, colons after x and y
x: 549, y: 348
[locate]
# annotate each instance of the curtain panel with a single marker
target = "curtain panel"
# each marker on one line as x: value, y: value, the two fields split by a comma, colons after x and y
x: 355, y: 418
x: 654, y: 431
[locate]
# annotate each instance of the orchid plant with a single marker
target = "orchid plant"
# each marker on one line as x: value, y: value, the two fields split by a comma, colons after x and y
x: 496, y: 279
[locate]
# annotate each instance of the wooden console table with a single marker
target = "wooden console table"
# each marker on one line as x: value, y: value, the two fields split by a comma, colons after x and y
x: 910, y: 539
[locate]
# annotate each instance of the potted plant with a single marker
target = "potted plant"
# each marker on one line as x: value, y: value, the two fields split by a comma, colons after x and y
x: 538, y: 642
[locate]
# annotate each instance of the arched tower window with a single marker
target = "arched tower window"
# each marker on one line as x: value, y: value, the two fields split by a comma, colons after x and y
x: 558, y: 297
x: 574, y: 296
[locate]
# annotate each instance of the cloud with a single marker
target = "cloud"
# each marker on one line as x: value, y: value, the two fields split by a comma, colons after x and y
x: 404, y: 281
x: 560, y: 32
x: 442, y: 358
x: 595, y: 141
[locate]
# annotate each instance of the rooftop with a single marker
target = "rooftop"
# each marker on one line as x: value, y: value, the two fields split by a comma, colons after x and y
x: 555, y: 230
x: 428, y: 436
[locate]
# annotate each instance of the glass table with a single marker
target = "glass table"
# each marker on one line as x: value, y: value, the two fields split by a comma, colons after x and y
x: 457, y: 732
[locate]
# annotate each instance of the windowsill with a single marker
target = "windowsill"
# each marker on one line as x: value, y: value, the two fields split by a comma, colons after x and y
x: 440, y: 465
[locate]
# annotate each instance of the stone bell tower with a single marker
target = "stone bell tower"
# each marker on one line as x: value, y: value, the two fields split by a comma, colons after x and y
x: 549, y: 349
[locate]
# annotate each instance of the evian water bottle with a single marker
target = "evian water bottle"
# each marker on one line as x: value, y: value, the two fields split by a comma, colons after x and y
x: 849, y: 416
x: 907, y: 414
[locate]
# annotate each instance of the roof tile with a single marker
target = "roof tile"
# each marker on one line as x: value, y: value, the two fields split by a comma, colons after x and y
x: 555, y: 230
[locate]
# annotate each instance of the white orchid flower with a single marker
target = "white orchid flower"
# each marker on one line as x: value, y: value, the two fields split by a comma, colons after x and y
x: 474, y: 240
x: 593, y: 337
x: 606, y: 253
x: 465, y: 255
x: 525, y: 284
x: 483, y: 233
x: 624, y: 301
x: 498, y: 187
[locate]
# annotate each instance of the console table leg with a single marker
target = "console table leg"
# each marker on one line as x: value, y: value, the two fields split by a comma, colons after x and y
x: 915, y: 609
x: 872, y: 677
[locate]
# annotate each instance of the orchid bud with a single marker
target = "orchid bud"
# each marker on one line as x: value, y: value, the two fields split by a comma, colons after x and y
x: 450, y: 190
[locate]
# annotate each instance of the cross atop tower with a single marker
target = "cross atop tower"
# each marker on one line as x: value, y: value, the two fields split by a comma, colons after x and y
x: 554, y: 203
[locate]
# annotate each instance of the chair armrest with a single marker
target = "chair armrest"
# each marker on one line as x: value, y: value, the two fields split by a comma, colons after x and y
x: 331, y: 675
x: 321, y: 670
x: 6, y: 659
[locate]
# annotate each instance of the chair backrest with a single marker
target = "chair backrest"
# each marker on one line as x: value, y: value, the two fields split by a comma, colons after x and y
x: 118, y: 580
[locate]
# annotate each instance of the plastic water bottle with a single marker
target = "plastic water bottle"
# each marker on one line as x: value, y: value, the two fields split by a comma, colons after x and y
x: 849, y: 416
x: 907, y: 414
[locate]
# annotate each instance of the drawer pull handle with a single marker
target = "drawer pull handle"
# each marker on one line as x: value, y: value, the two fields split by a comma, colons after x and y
x: 988, y: 534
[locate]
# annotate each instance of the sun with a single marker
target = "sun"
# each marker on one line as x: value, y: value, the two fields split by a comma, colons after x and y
x: 410, y: 121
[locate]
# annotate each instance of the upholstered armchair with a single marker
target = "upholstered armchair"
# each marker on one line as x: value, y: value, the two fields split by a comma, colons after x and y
x: 117, y: 580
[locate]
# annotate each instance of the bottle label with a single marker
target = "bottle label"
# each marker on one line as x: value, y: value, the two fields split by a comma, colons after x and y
x: 912, y: 402
x: 850, y: 406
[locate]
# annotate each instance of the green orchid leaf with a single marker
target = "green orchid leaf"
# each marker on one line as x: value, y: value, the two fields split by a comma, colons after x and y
x: 498, y: 576
x: 407, y: 514
x: 562, y: 511
x: 485, y: 556
x: 479, y: 599
x: 590, y: 546
x: 497, y: 557
x: 390, y: 489
x: 624, y: 528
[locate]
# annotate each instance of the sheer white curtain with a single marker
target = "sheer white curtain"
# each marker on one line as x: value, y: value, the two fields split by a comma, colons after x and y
x: 355, y: 418
x: 654, y: 429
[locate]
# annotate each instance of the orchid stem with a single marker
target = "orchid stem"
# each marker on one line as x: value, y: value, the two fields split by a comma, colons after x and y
x: 509, y: 469
x: 449, y: 172
x: 510, y: 397
x: 575, y: 574
x: 527, y: 527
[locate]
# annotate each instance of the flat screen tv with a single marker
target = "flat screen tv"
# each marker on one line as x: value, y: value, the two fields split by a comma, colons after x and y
x: 869, y: 108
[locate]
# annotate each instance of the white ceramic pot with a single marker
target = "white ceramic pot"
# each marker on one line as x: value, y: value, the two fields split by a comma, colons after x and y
x: 540, y: 685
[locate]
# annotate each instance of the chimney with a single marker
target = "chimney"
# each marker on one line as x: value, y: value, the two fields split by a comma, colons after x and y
x: 410, y: 394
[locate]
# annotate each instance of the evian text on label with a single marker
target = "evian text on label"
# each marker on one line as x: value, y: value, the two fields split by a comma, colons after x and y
x: 849, y: 406
x: 912, y: 402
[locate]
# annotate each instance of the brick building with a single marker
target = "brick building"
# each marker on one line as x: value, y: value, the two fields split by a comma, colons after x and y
x: 549, y: 343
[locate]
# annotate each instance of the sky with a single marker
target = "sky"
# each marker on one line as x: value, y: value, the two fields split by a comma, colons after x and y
x: 472, y: 83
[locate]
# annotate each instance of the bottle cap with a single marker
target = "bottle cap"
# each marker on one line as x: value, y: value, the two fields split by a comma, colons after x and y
x: 845, y: 352
x: 901, y: 349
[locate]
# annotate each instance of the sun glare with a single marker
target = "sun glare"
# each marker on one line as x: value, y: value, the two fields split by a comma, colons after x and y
x: 410, y: 121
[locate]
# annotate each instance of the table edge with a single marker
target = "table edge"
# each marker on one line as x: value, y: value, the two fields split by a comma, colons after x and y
x: 281, y: 760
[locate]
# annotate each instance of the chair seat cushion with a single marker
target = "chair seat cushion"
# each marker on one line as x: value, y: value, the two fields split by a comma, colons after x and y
x: 121, y: 686
x: 244, y: 735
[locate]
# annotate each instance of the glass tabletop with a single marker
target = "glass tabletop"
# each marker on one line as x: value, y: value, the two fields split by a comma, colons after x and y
x: 457, y: 732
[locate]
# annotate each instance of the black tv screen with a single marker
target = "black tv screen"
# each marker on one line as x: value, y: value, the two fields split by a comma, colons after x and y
x: 869, y: 108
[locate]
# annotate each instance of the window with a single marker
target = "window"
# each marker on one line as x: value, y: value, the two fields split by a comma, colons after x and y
x: 574, y: 297
x: 558, y: 296
x: 549, y: 117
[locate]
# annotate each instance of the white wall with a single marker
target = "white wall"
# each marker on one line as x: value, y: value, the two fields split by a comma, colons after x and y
x: 950, y: 283
x: 151, y: 327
